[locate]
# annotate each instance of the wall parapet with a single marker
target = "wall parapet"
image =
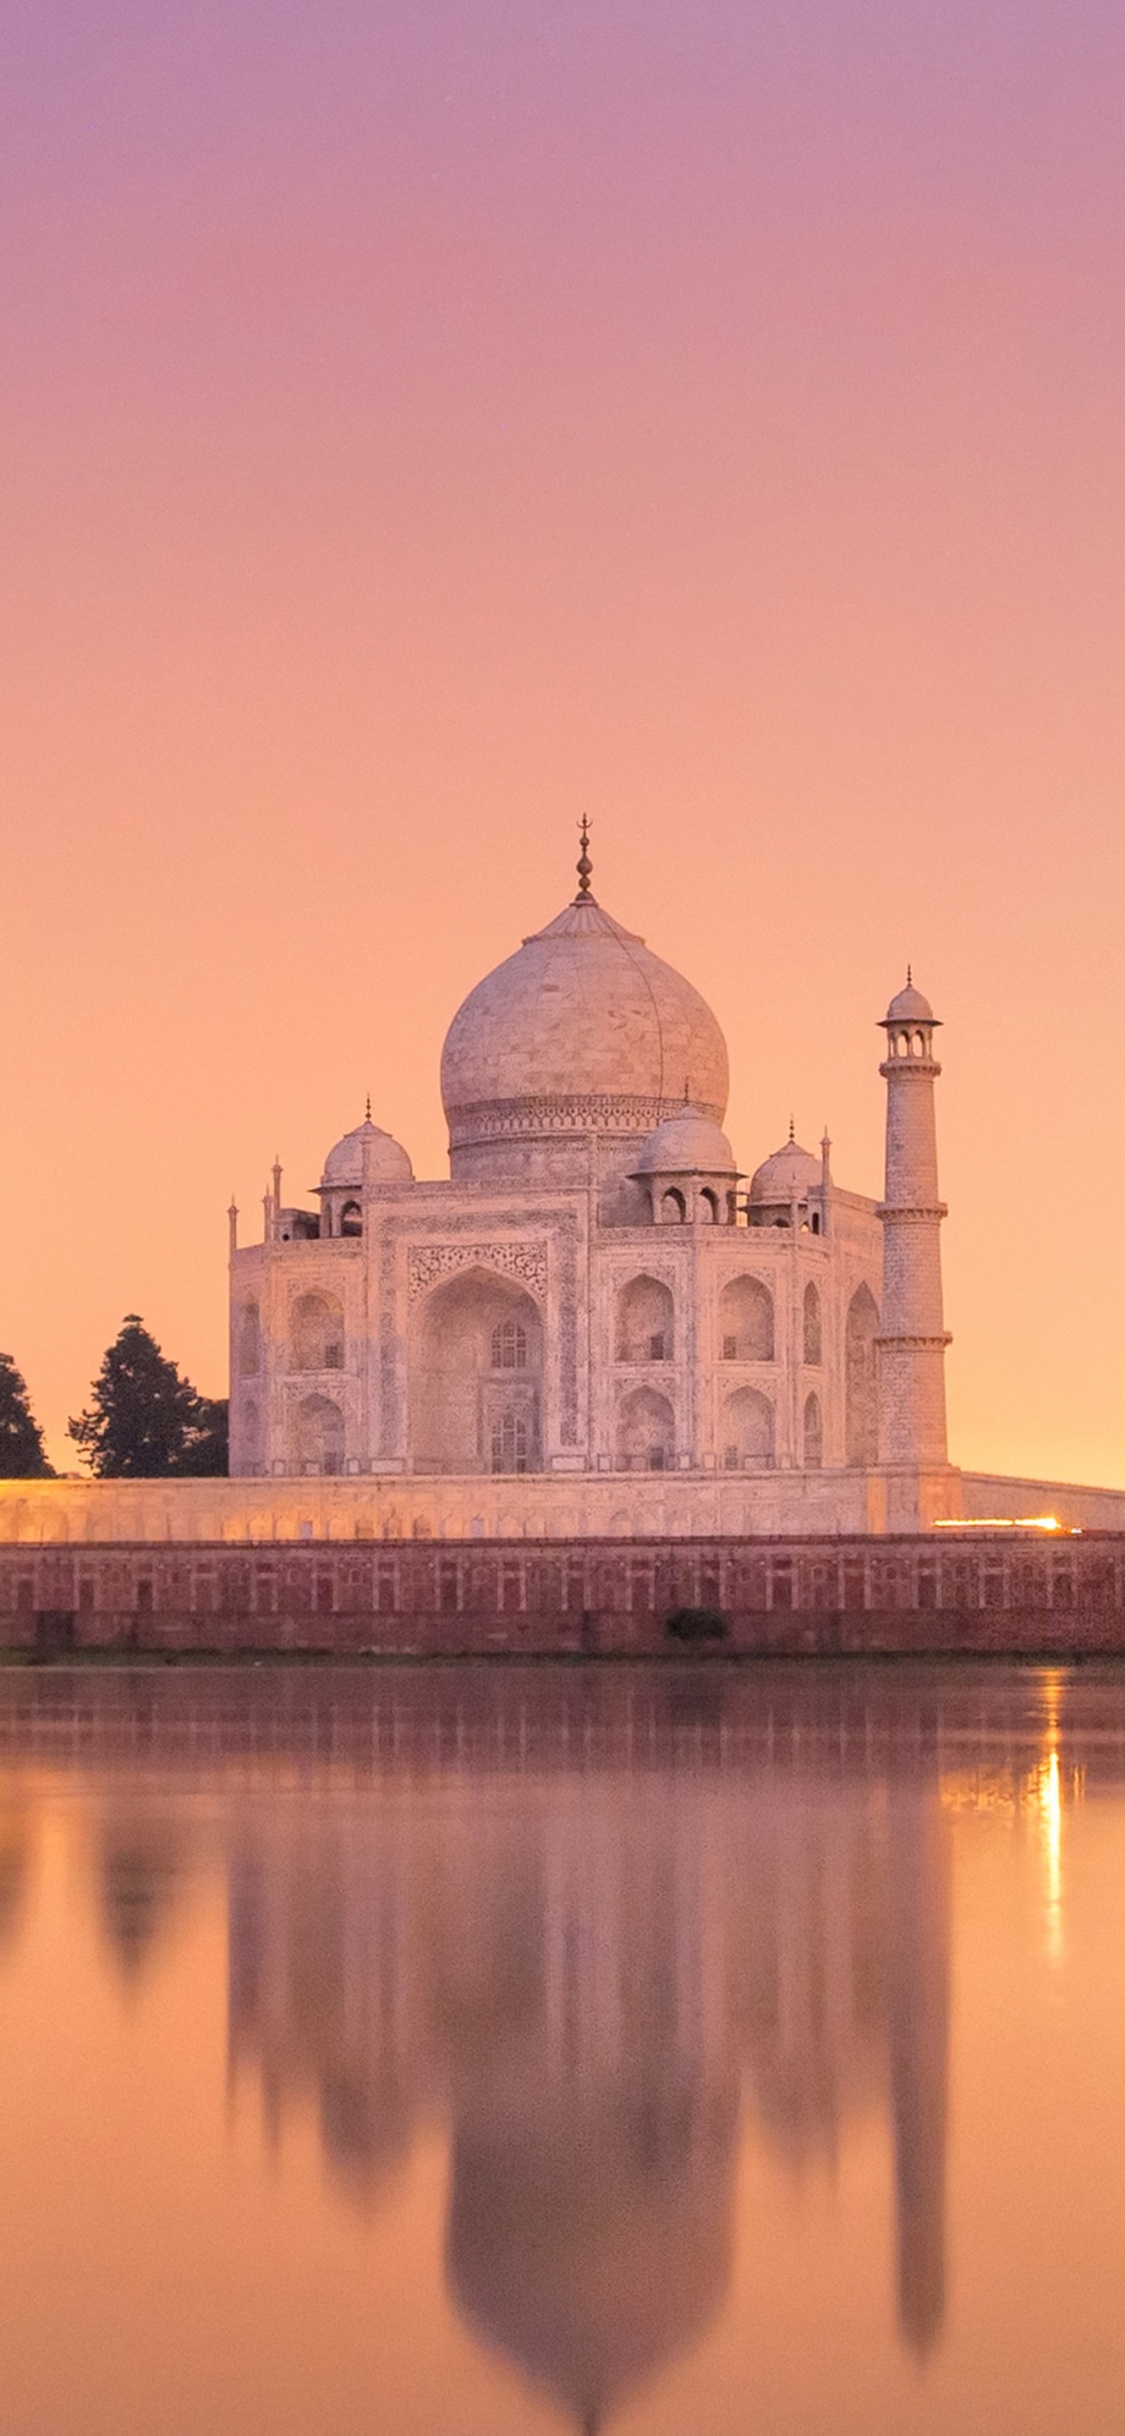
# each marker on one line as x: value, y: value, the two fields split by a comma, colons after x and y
x: 432, y: 1505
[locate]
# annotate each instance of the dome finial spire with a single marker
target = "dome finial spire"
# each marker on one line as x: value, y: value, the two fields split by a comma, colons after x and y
x: 367, y: 1111
x: 792, y: 1130
x: 584, y: 865
x: 910, y: 976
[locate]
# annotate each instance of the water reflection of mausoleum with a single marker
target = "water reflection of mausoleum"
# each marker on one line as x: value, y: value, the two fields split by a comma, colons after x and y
x: 591, y: 1976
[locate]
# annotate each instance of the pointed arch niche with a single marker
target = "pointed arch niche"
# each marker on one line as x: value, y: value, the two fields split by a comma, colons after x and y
x: 645, y: 1322
x: 476, y: 1377
x: 812, y: 1328
x: 747, y: 1431
x: 861, y: 1409
x: 746, y: 1321
x: 646, y: 1432
x: 317, y: 1333
x: 319, y: 1430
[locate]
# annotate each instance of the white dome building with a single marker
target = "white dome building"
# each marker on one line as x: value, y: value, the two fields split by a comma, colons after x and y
x: 592, y: 1294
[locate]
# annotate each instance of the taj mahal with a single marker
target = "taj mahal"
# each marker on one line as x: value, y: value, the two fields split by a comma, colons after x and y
x: 598, y: 1294
x: 599, y: 1326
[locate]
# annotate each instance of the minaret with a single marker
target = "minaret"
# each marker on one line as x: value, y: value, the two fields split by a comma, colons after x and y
x: 912, y: 1339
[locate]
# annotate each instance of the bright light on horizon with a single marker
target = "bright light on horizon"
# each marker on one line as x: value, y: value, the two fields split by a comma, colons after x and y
x: 1005, y: 1522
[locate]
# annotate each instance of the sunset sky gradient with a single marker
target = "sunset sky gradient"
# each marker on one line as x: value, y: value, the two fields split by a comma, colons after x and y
x: 427, y: 422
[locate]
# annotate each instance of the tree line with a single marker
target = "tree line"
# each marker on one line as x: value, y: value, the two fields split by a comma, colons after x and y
x: 144, y: 1421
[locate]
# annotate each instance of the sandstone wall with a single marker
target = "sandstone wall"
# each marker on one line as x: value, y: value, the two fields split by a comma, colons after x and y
x: 992, y: 1495
x: 973, y: 1592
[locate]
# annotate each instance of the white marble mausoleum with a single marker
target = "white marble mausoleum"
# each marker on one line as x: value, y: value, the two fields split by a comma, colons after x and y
x: 598, y: 1292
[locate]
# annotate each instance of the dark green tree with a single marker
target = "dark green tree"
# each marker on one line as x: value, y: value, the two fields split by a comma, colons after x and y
x: 206, y: 1448
x: 21, y: 1440
x: 145, y: 1422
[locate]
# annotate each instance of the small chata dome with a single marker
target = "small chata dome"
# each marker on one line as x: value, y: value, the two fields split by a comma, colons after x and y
x: 689, y: 1144
x: 789, y: 1174
x: 910, y: 1006
x: 367, y: 1149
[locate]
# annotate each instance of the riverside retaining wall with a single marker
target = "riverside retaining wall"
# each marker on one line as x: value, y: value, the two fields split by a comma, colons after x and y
x: 976, y: 1592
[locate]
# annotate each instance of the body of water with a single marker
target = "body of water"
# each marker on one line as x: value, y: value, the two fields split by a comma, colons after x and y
x: 434, y: 2052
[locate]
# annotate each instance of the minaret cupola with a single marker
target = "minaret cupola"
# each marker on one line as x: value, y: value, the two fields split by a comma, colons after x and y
x: 910, y: 1023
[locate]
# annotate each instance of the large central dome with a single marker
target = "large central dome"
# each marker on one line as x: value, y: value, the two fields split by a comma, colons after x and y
x: 582, y: 1030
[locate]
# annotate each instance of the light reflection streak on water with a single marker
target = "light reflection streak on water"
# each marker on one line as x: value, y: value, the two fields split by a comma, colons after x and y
x: 1046, y: 1796
x: 1050, y: 1814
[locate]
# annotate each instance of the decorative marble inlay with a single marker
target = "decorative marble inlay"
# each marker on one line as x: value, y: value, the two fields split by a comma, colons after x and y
x: 578, y: 1112
x: 428, y: 1263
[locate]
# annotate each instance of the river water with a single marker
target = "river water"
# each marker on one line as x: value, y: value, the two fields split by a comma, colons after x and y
x: 453, y: 2051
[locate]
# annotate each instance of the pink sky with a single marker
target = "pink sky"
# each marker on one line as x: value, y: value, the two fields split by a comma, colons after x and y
x: 425, y: 423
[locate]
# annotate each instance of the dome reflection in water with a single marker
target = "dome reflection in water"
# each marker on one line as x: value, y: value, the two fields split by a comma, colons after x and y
x: 592, y: 1958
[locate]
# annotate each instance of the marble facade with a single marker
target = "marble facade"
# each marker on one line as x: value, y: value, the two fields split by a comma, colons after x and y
x: 597, y: 1289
